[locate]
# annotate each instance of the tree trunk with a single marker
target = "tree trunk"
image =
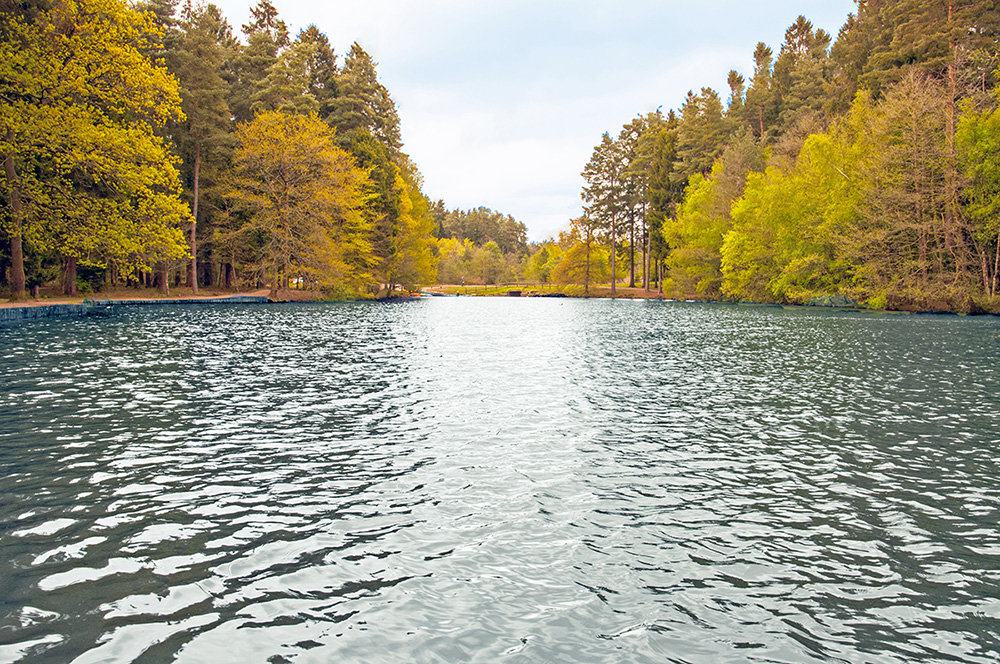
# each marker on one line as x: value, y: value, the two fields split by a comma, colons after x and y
x: 163, y: 276
x: 647, y: 252
x: 631, y: 252
x: 17, y: 225
x: 274, y: 282
x: 614, y: 274
x: 193, y: 266
x: 69, y: 279
x: 996, y: 268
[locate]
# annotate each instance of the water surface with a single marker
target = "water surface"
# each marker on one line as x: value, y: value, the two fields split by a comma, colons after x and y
x: 499, y: 480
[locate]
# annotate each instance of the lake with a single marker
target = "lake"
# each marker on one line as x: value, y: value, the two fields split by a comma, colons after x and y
x: 500, y: 480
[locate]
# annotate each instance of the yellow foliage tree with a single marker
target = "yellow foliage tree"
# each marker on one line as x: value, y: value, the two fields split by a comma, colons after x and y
x: 303, y: 197
x: 84, y: 173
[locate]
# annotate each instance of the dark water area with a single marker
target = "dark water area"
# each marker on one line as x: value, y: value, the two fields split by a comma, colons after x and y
x: 500, y: 480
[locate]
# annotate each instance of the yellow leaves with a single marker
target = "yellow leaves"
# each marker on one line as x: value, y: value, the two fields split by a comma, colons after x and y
x: 79, y: 99
x: 304, y: 195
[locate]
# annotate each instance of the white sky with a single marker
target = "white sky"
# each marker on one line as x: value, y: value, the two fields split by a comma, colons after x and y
x: 502, y: 101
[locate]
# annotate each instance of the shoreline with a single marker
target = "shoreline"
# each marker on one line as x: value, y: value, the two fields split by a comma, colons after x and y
x: 61, y: 307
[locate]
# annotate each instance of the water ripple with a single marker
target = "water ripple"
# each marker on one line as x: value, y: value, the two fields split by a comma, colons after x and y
x: 525, y: 481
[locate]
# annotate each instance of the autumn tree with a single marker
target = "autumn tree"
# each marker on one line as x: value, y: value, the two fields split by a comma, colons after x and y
x: 84, y: 172
x: 304, y: 196
x: 585, y: 260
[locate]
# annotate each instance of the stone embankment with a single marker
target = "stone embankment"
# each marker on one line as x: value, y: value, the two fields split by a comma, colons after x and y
x: 32, y: 311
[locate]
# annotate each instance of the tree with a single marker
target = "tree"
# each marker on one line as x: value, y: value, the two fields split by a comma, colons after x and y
x: 362, y: 104
x: 979, y: 143
x: 84, y: 173
x: 703, y: 219
x: 761, y: 108
x: 205, y: 134
x: 320, y: 67
x: 904, y: 246
x: 266, y: 36
x: 488, y: 263
x: 656, y: 156
x: 304, y: 197
x: 801, y: 72
x: 606, y: 195
x: 701, y: 133
x: 416, y: 264
x: 786, y: 225
x: 584, y: 261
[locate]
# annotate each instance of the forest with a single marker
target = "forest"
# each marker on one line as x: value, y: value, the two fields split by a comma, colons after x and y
x: 862, y: 170
x: 150, y: 146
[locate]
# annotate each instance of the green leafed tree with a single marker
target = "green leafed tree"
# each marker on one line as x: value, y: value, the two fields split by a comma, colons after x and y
x: 979, y: 145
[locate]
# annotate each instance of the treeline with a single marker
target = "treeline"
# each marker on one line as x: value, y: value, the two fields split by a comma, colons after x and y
x: 868, y: 167
x: 479, y: 246
x: 149, y: 145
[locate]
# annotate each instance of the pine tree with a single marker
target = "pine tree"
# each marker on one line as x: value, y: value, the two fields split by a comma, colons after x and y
x: 205, y: 134
x: 266, y: 36
x: 606, y: 194
x: 801, y: 72
x: 701, y: 133
x: 362, y: 104
x: 761, y: 107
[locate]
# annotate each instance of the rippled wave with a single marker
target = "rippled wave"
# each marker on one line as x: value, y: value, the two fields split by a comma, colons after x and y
x: 483, y: 480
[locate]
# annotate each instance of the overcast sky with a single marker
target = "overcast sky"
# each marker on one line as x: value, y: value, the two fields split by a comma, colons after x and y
x: 502, y: 101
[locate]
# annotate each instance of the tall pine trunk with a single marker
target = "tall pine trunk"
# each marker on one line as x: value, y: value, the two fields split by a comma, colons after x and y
x: 614, y: 276
x: 69, y: 279
x: 163, y: 277
x: 647, y: 250
x: 631, y: 250
x: 193, y: 265
x: 17, y: 225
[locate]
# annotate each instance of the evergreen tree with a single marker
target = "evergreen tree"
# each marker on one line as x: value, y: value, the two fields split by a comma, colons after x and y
x: 701, y: 133
x: 657, y: 156
x: 801, y: 72
x: 362, y: 104
x: 760, y: 110
x: 288, y: 83
x: 606, y: 194
x: 249, y: 65
x: 205, y: 134
x: 321, y: 68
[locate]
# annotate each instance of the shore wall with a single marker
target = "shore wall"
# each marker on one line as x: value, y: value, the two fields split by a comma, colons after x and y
x: 87, y: 307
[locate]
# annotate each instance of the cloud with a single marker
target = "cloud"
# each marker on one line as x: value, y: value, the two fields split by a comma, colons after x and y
x: 502, y: 101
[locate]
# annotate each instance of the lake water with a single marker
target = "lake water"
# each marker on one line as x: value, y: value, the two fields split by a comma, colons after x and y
x: 499, y: 480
